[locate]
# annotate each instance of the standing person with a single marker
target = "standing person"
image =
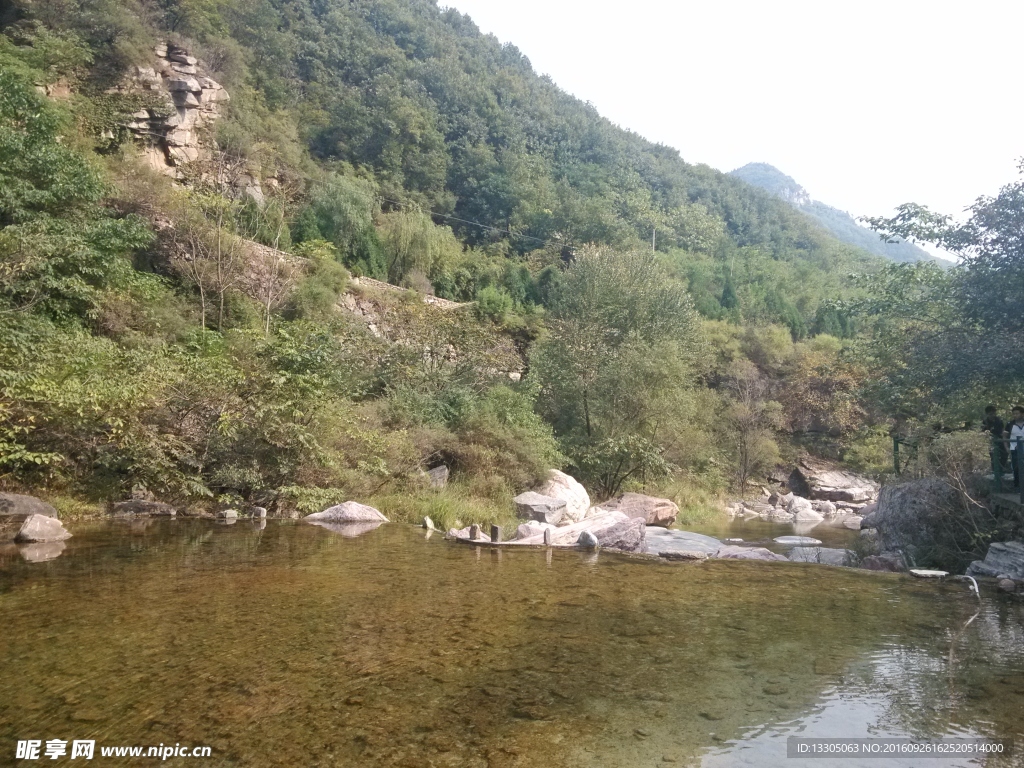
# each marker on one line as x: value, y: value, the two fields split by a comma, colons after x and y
x: 997, y: 449
x: 1017, y: 442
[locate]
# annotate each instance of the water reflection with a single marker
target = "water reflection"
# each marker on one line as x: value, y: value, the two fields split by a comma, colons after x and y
x: 289, y: 645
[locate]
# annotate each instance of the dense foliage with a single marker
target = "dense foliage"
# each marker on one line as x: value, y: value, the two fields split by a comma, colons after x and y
x: 211, y: 346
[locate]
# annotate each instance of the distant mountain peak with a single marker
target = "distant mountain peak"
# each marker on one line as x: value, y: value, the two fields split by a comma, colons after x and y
x: 840, y: 223
x: 770, y: 178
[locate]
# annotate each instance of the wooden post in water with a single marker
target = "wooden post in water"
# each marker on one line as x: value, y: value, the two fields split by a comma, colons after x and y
x: 547, y: 537
x: 474, y: 532
x: 495, y: 533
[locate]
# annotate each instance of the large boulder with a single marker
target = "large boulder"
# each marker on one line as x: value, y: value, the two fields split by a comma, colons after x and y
x: 680, y: 544
x: 348, y: 512
x: 803, y: 512
x: 625, y: 536
x: 543, y: 509
x: 562, y: 486
x: 886, y: 562
x: 41, y: 528
x: 730, y: 552
x: 142, y: 508
x: 23, y: 506
x: 652, y: 510
x: 831, y: 484
x: 910, y: 516
x: 1003, y: 558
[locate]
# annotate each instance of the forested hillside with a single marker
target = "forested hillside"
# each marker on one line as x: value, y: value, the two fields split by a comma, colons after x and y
x: 841, y: 224
x: 195, y: 195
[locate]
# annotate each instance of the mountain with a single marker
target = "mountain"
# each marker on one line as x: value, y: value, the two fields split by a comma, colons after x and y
x: 838, y: 222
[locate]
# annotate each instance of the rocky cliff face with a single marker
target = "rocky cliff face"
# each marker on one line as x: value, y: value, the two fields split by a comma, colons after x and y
x: 172, y: 133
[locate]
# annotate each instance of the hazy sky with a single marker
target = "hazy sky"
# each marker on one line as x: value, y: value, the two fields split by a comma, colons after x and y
x: 867, y: 104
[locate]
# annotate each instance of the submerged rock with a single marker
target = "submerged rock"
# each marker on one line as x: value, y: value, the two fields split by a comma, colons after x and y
x: 822, y: 555
x: 227, y: 514
x: 348, y: 512
x: 565, y: 487
x: 748, y: 553
x: 797, y: 540
x: 1004, y: 558
x: 651, y: 509
x: 543, y: 509
x: 684, y: 544
x: 40, y: 528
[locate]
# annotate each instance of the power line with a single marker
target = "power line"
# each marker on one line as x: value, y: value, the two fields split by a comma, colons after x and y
x: 507, y: 232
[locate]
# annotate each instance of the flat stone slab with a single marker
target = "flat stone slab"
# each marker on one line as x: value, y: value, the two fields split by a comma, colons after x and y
x: 925, y: 574
x: 821, y: 555
x: 665, y: 542
x: 797, y: 541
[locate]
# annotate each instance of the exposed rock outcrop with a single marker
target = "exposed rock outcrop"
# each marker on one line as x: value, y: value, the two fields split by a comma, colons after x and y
x: 188, y: 103
x: 652, y: 510
x: 680, y: 544
x: 815, y: 481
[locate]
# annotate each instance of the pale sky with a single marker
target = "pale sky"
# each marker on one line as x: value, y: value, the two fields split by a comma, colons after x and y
x: 867, y: 105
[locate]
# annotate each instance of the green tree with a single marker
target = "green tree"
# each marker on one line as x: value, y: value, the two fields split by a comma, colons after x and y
x: 619, y: 361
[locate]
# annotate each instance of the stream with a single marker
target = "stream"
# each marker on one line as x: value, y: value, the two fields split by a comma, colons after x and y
x: 285, y: 644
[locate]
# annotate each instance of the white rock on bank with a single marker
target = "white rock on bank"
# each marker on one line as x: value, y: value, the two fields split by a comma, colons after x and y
x: 348, y: 512
x: 562, y: 486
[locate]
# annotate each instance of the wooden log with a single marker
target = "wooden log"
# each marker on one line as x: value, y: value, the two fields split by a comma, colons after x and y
x: 495, y: 534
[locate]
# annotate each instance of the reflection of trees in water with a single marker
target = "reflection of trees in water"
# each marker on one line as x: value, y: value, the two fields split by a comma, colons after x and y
x: 969, y: 676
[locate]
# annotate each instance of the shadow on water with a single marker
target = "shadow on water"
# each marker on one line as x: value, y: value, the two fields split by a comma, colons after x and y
x: 295, y: 645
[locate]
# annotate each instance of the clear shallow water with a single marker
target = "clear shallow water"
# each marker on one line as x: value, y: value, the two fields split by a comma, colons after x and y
x: 294, y: 646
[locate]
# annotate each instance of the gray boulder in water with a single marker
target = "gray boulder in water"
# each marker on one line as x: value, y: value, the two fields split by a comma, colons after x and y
x: 536, y: 506
x: 348, y: 512
x: 40, y: 528
x: 1004, y: 558
x: 588, y: 540
x: 625, y: 536
x: 822, y: 556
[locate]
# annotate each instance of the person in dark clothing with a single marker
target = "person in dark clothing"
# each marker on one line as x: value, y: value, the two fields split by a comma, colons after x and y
x: 1016, y: 430
x: 997, y: 431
